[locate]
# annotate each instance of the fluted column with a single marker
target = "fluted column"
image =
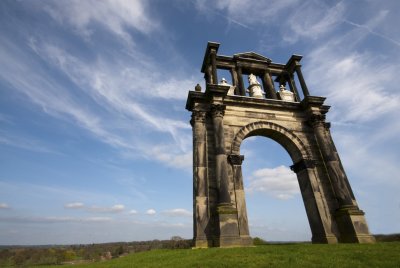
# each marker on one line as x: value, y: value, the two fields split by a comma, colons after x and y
x: 201, y: 215
x: 217, y: 114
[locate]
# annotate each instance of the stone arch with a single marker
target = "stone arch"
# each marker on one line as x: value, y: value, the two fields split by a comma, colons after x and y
x: 219, y: 208
x: 292, y: 144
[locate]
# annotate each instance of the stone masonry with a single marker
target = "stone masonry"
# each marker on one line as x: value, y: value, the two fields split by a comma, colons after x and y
x: 221, y: 122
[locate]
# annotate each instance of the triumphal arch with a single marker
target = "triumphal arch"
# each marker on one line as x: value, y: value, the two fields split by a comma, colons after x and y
x: 224, y: 114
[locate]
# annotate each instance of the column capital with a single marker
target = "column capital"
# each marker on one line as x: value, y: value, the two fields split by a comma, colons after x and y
x: 217, y: 110
x: 316, y: 120
x: 198, y: 116
x: 236, y: 159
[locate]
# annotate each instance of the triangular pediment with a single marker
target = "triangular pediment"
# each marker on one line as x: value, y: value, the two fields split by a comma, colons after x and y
x: 252, y: 55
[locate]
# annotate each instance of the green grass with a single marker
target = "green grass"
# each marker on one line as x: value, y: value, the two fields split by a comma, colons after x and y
x: 288, y: 255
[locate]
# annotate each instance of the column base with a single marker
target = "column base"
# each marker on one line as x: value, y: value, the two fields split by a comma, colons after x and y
x: 202, y: 243
x: 352, y: 226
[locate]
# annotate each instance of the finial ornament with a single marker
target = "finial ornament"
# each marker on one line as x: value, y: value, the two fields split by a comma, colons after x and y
x: 231, y: 90
x: 197, y: 88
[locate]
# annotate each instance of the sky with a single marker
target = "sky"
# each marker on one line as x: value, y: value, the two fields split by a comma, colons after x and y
x: 95, y: 141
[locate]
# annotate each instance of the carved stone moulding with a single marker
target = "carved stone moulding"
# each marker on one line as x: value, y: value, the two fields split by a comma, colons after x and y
x: 235, y: 159
x: 302, y: 164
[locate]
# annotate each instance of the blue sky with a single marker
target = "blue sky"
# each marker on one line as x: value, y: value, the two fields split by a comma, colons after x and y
x: 95, y: 143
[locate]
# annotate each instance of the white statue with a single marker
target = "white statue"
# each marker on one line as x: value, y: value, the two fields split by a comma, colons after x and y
x: 231, y: 90
x: 284, y: 94
x: 254, y: 88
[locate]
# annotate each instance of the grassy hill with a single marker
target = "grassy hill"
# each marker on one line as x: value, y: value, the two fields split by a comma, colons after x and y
x: 384, y: 254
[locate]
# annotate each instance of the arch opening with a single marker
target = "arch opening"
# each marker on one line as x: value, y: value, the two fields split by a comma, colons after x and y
x: 275, y: 208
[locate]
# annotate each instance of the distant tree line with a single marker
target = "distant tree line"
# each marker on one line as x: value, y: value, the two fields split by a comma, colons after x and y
x: 48, y: 255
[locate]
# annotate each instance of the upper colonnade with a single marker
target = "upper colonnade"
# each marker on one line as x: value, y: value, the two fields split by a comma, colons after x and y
x: 251, y: 63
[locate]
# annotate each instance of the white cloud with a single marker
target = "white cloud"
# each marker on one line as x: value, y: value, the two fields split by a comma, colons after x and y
x: 171, y: 157
x: 133, y: 212
x: 279, y: 182
x: 151, y: 212
x: 114, y: 209
x: 178, y: 212
x: 4, y: 206
x: 75, y: 205
x: 359, y: 85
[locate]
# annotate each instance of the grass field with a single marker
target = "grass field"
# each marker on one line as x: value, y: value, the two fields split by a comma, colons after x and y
x: 285, y: 255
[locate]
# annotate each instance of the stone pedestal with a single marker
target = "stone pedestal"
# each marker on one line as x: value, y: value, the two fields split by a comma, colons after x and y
x: 353, y: 226
x: 286, y: 95
x: 255, y: 91
x: 229, y: 228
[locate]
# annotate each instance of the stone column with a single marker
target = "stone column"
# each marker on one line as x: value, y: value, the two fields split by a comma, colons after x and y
x: 350, y: 219
x: 301, y: 80
x: 213, y: 58
x: 235, y: 81
x: 217, y: 113
x: 227, y: 213
x: 318, y: 213
x: 293, y: 87
x: 269, y: 86
x: 201, y: 215
x: 335, y: 170
x: 242, y: 90
x: 236, y: 162
x: 208, y: 75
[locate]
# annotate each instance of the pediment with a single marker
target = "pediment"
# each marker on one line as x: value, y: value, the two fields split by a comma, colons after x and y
x: 252, y: 55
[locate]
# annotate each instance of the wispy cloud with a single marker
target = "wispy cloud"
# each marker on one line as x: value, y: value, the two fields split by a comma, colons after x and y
x: 32, y: 219
x: 75, y: 205
x: 115, y: 112
x: 279, y: 182
x: 237, y: 11
x: 381, y: 15
x: 312, y: 20
x: 25, y: 143
x: 114, y: 209
x: 96, y: 209
x: 117, y: 16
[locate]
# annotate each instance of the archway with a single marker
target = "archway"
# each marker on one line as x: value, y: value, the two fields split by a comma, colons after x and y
x: 224, y: 115
x: 275, y: 208
x: 320, y: 221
